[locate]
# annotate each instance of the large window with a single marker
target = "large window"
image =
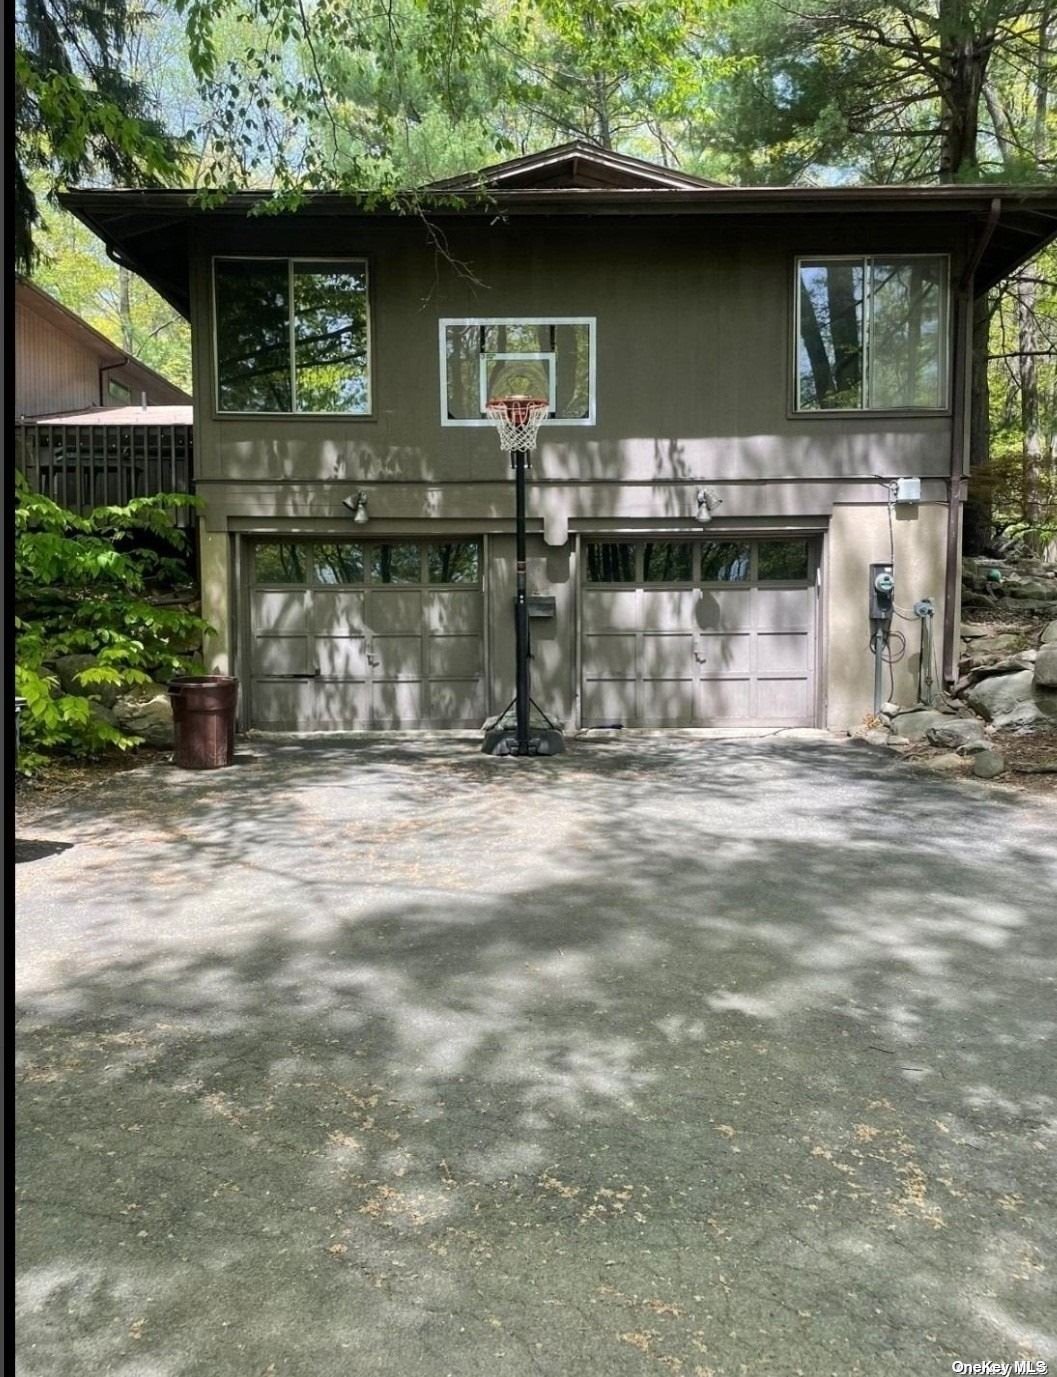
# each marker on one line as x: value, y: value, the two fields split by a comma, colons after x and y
x: 532, y: 356
x: 292, y: 335
x: 872, y: 333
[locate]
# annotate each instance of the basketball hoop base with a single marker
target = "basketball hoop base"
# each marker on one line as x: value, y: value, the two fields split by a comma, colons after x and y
x: 544, y: 737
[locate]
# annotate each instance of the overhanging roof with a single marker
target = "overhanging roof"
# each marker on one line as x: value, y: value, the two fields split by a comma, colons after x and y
x: 148, y: 231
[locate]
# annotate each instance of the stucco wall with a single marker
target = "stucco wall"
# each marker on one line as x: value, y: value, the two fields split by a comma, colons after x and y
x: 859, y: 537
x: 214, y: 564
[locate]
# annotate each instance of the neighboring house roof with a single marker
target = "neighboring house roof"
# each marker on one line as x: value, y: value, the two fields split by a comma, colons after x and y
x: 149, y: 231
x: 42, y: 303
x: 122, y: 416
x: 577, y: 164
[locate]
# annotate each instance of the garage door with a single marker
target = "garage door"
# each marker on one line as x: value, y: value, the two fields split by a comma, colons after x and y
x: 682, y: 633
x: 364, y: 634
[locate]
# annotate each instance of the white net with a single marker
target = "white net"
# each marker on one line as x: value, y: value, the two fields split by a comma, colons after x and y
x: 517, y: 420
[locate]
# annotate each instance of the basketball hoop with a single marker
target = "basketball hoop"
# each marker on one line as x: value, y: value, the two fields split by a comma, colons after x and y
x: 517, y: 419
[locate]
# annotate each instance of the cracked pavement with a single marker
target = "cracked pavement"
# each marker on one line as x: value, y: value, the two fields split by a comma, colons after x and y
x: 705, y: 1057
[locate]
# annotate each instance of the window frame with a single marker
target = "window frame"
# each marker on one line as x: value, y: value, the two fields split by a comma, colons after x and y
x: 219, y: 413
x: 591, y: 322
x: 867, y: 260
x: 308, y: 544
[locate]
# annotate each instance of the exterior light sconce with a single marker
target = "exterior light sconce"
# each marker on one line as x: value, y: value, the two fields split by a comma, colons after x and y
x: 707, y: 502
x: 357, y: 504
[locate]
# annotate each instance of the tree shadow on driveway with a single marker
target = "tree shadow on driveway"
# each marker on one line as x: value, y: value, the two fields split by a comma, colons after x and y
x: 389, y: 1058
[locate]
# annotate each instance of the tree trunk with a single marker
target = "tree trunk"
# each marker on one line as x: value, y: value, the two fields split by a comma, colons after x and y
x: 124, y: 309
x: 1033, y: 458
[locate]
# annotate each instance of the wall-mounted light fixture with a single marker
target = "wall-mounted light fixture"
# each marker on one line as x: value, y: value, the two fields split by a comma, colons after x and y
x: 357, y: 504
x: 707, y: 501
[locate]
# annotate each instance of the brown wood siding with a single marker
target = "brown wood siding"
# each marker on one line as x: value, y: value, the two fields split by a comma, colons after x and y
x: 52, y: 371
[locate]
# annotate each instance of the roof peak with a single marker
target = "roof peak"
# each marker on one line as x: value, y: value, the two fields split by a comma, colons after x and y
x: 576, y: 164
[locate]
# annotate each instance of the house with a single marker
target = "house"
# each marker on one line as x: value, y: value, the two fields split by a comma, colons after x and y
x: 64, y: 365
x: 794, y: 357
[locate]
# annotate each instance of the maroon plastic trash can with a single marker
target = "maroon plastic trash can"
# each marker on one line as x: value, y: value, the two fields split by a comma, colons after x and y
x: 203, y: 712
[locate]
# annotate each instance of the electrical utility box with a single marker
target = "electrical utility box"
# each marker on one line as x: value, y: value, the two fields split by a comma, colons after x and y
x: 908, y: 490
x: 882, y: 592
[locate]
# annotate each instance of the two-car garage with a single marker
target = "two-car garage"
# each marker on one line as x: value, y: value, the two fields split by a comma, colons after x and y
x: 672, y: 632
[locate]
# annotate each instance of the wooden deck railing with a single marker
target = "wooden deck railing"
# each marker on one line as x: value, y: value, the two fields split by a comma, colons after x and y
x: 86, y: 466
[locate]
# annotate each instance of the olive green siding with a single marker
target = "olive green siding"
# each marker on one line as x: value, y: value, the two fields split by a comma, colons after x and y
x: 694, y: 385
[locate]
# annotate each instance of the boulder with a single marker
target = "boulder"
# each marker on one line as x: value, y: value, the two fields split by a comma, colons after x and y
x: 102, y: 713
x: 1033, y: 589
x: 1049, y: 634
x: 984, y: 648
x: 914, y: 725
x: 955, y: 732
x: 988, y: 764
x: 998, y: 695
x: 1046, y: 666
x: 947, y: 763
x: 146, y: 712
x: 67, y: 667
x: 1037, y: 714
x: 873, y: 736
x: 975, y: 744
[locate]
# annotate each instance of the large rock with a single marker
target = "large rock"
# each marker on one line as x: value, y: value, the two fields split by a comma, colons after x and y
x: 955, y: 732
x: 915, y: 725
x: 146, y: 712
x: 985, y: 648
x: 988, y: 764
x: 1032, y: 589
x: 1046, y: 666
x: 999, y: 694
x: 67, y: 667
x: 1049, y: 634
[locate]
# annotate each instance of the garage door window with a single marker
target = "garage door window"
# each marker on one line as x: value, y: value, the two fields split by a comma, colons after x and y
x: 725, y: 561
x: 280, y: 563
x: 337, y: 564
x: 456, y: 561
x: 396, y: 564
x: 609, y: 562
x: 668, y: 561
x: 782, y: 561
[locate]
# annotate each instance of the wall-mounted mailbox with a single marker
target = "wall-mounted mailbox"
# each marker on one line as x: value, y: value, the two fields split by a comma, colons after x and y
x: 542, y: 607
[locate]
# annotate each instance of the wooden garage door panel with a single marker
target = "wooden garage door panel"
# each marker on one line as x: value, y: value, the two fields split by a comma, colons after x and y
x: 725, y: 654
x: 723, y: 702
x: 341, y: 705
x: 710, y: 654
x: 396, y: 657
x: 341, y: 657
x: 337, y: 612
x: 616, y: 609
x: 280, y: 610
x: 611, y: 656
x: 725, y: 609
x: 666, y: 655
x: 454, y: 657
x: 375, y: 646
x: 281, y: 655
x: 398, y: 610
x: 784, y: 609
x: 782, y: 700
x: 457, y: 701
x: 396, y: 702
x: 666, y: 703
x: 457, y: 610
x: 282, y: 707
x: 609, y: 700
x: 782, y: 652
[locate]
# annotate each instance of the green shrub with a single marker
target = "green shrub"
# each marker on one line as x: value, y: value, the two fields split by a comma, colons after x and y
x: 84, y: 585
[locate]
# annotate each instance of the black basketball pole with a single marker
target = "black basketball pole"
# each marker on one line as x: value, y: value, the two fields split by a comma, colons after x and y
x: 519, y: 458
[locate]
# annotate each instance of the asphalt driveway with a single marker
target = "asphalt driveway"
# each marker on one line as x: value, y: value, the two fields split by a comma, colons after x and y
x: 708, y: 1058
